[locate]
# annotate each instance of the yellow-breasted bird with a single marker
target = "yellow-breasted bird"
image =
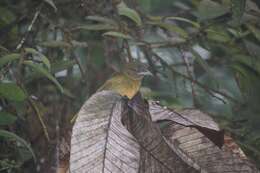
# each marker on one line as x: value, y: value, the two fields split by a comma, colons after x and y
x: 128, y: 81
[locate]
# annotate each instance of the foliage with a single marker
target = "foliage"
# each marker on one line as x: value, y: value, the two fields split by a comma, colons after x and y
x: 54, y: 54
x: 125, y: 135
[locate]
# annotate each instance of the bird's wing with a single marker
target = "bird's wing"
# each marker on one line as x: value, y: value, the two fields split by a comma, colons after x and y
x: 122, y: 84
x: 108, y: 85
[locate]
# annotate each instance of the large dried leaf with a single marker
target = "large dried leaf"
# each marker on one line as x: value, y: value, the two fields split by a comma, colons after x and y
x: 112, y: 134
x: 156, y: 154
x: 191, y: 118
x: 209, y: 157
x: 186, y: 117
x: 100, y: 142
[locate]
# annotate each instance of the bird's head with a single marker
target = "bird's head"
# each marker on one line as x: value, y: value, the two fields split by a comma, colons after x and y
x: 136, y: 70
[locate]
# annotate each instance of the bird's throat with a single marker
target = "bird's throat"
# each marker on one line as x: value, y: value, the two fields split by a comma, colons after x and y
x: 129, y: 87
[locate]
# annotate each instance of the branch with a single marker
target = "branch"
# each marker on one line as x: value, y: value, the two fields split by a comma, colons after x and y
x: 79, y: 65
x: 20, y: 45
x: 189, y: 72
x: 211, y: 91
x: 163, y: 44
x: 38, y: 113
x: 127, y: 47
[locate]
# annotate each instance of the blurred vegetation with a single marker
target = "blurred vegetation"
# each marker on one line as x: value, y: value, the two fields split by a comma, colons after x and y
x: 55, y: 53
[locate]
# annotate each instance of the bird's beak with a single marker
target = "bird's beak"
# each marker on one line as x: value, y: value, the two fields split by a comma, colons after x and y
x: 145, y: 73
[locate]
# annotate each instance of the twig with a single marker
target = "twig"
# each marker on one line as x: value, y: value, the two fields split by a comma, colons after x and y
x: 20, y: 45
x: 126, y: 45
x: 147, y: 48
x: 80, y: 66
x: 38, y: 113
x: 31, y: 102
x: 34, y: 106
x: 164, y: 44
x: 211, y: 91
x: 189, y: 72
x: 150, y: 61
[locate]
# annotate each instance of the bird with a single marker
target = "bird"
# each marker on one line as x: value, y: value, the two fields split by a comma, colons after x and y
x: 128, y: 81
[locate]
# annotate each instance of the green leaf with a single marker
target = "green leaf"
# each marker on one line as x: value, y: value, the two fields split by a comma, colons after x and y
x: 56, y: 44
x: 249, y: 62
x: 209, y: 10
x: 255, y: 31
x: 44, y: 59
x: 6, y: 118
x: 44, y: 72
x: 8, y: 58
x: 95, y: 27
x: 195, y: 24
x: 146, y: 5
x: 204, y: 65
x: 7, y: 15
x: 9, y: 29
x: 118, y: 35
x: 62, y: 65
x: 238, y: 68
x: 51, y: 3
x: 234, y: 32
x: 10, y: 135
x: 102, y: 20
x: 218, y: 34
x: 56, y: 67
x: 2, y: 48
x: 201, y: 61
x: 252, y: 48
x: 123, y: 10
x: 238, y: 9
x: 11, y: 92
x: 172, y: 28
x: 68, y: 93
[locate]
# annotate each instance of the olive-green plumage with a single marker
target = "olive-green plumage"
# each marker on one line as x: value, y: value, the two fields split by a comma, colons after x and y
x: 128, y: 82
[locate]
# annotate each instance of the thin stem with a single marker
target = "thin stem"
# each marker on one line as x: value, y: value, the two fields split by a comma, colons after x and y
x: 127, y: 47
x: 80, y: 66
x: 210, y: 91
x: 189, y: 72
x: 38, y: 113
x: 20, y: 45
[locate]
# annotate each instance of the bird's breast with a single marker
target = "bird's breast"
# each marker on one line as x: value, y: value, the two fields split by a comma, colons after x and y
x: 125, y: 86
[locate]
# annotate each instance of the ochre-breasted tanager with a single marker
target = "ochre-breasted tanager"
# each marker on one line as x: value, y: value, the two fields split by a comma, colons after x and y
x: 128, y: 81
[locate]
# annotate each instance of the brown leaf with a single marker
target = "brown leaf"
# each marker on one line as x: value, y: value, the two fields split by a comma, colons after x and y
x: 113, y: 134
x: 206, y: 154
x: 100, y: 142
x: 190, y: 118
x: 156, y: 154
x: 233, y: 147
